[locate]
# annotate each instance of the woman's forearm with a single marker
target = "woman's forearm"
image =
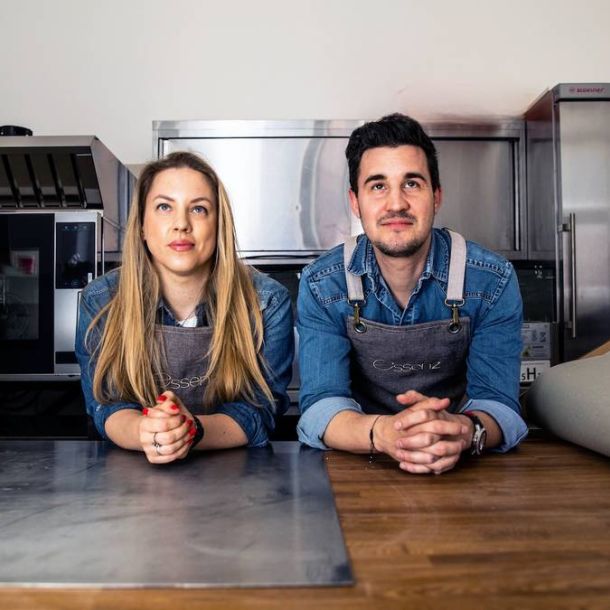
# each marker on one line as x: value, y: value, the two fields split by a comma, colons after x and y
x: 123, y: 429
x: 221, y: 432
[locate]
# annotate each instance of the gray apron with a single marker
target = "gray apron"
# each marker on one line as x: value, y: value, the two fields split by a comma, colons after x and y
x: 429, y: 357
x: 185, y: 363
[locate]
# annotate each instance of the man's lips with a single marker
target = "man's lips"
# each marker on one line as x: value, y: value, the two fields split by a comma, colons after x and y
x: 397, y: 223
x: 181, y: 246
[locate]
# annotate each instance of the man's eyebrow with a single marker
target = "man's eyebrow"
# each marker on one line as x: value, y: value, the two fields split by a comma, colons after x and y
x: 374, y: 177
x: 413, y: 175
x: 407, y: 176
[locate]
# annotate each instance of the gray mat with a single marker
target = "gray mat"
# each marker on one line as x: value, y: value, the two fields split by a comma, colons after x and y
x: 75, y: 513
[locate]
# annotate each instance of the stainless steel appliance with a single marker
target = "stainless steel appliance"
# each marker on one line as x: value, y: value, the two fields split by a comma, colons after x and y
x: 568, y: 188
x: 288, y: 180
x: 63, y: 201
x: 288, y: 183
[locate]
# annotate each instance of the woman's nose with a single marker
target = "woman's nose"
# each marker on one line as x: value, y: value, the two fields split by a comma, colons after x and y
x: 182, y: 220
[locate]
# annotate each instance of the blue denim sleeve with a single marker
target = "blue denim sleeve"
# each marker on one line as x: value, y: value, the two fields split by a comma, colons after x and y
x: 494, y: 359
x: 258, y: 422
x: 314, y: 421
x: 98, y: 412
x: 324, y: 350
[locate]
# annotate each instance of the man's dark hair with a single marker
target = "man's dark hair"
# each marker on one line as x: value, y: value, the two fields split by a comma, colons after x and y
x: 392, y: 130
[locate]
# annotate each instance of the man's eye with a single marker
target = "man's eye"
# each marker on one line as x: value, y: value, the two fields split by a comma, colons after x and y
x: 377, y: 187
x: 199, y: 209
x: 412, y: 184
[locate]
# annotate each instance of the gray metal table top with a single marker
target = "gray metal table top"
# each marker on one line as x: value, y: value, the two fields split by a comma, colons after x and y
x: 85, y: 513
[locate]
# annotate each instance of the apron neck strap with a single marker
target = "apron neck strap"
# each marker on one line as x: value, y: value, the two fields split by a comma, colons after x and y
x: 457, y: 269
x: 355, y: 293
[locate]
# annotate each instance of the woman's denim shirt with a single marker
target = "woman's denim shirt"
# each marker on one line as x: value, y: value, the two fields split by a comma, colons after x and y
x: 492, y: 302
x: 257, y: 422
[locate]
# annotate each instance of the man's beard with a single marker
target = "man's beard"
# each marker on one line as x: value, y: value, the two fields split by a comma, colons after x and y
x: 400, y: 250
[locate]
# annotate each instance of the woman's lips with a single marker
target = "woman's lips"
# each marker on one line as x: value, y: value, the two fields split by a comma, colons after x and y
x: 181, y: 246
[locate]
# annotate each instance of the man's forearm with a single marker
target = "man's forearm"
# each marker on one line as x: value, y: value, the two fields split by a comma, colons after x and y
x: 350, y: 431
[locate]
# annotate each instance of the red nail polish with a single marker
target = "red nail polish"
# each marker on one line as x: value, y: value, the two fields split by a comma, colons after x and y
x: 192, y: 431
x: 174, y: 408
x: 144, y: 411
x: 191, y: 423
x: 161, y: 398
x: 182, y: 419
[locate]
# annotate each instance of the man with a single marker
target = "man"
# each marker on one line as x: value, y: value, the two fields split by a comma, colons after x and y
x: 410, y: 337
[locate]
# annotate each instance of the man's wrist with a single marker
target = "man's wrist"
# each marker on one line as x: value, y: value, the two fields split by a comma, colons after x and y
x: 377, y: 433
x: 469, y: 434
x: 478, y: 439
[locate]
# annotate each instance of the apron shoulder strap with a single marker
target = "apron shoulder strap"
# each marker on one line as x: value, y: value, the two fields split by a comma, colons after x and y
x: 457, y: 268
x: 354, y: 282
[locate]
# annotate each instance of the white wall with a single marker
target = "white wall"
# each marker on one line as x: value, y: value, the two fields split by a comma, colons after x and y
x: 111, y: 67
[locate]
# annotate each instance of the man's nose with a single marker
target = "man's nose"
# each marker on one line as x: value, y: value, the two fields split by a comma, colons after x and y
x: 398, y: 200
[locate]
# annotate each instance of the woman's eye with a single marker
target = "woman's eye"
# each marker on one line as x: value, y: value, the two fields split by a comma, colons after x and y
x: 164, y: 207
x: 199, y: 209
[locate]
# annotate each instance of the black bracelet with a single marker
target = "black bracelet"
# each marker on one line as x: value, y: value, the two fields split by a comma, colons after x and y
x: 199, y: 432
x: 372, y: 449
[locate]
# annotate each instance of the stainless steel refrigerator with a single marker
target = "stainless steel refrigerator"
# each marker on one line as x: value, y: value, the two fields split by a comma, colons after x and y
x: 568, y: 193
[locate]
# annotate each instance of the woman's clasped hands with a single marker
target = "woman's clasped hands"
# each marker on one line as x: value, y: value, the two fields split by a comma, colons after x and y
x: 167, y: 430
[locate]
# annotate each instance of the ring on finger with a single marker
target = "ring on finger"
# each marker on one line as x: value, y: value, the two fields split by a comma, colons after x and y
x: 156, y: 444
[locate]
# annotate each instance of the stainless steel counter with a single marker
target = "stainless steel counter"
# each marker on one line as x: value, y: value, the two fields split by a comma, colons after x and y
x: 76, y: 513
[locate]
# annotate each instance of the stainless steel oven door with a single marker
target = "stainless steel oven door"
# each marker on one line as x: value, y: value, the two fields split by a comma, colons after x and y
x: 27, y: 306
x: 76, y: 237
x: 45, y: 261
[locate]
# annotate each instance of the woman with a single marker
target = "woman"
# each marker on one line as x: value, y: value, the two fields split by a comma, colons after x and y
x: 183, y: 347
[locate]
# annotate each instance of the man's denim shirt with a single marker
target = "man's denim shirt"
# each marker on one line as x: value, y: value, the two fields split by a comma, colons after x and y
x: 492, y: 302
x: 278, y: 350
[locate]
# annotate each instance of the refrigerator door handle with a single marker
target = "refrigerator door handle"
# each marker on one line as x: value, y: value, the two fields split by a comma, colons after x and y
x: 571, y: 228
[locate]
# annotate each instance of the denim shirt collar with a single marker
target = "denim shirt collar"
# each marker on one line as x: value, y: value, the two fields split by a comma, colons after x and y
x: 167, y: 318
x: 363, y: 261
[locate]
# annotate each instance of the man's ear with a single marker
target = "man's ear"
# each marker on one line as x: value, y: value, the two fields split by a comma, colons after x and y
x: 353, y: 203
x: 438, y: 199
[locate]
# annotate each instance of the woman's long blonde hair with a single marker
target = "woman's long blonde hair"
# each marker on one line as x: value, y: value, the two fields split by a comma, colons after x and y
x: 128, y: 356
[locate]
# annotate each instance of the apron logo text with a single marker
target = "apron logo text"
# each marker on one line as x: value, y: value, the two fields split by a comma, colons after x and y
x: 406, y: 367
x: 167, y: 382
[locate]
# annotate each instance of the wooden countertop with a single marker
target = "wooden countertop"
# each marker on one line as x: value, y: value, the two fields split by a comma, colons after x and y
x: 530, y: 529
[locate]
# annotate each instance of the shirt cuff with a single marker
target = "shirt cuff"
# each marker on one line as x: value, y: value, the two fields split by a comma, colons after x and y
x: 103, y: 412
x: 314, y: 421
x: 250, y: 420
x: 514, y: 429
